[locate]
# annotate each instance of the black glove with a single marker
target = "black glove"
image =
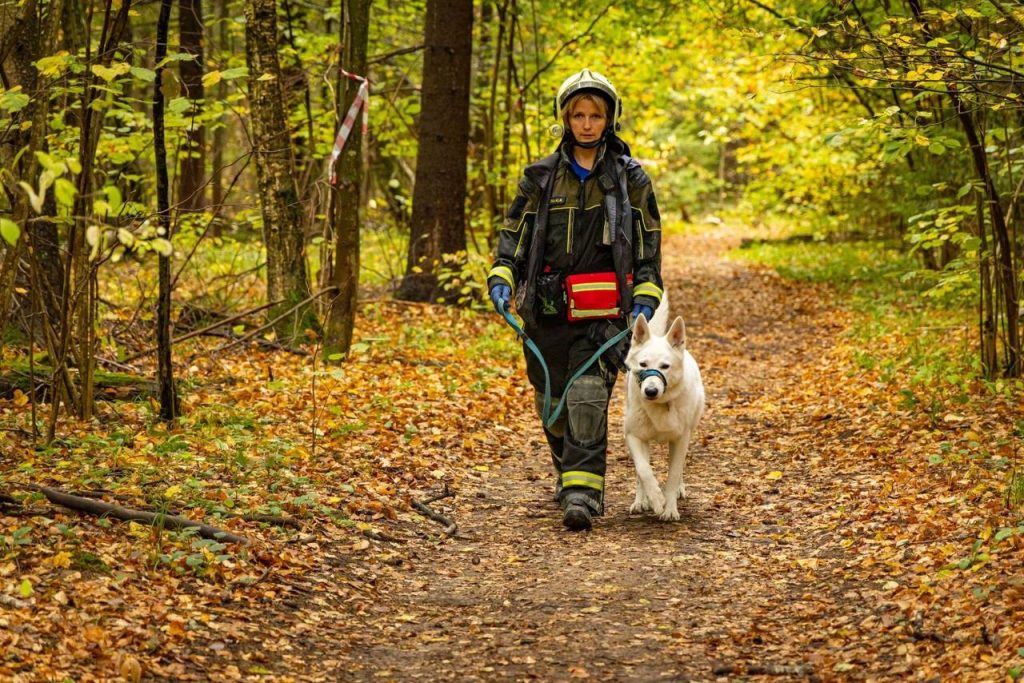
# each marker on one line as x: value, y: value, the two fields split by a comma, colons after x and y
x: 616, y: 354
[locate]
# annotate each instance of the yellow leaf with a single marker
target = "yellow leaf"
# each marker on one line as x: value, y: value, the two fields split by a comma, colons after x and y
x: 211, y: 78
x: 20, y: 397
x: 774, y: 475
x: 61, y: 559
x: 481, y: 468
x: 172, y: 491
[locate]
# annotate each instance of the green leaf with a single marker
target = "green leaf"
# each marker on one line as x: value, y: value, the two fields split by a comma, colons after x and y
x: 25, y: 588
x: 147, y: 75
x: 971, y: 243
x: 237, y: 72
x: 179, y: 105
x: 113, y: 198
x: 162, y: 246
x: 9, y: 230
x: 937, y: 148
x: 1004, y: 534
x: 36, y: 200
x: 64, y: 190
x: 13, y: 100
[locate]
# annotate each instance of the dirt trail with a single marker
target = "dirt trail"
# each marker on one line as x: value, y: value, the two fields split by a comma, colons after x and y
x: 517, y: 597
x: 754, y: 582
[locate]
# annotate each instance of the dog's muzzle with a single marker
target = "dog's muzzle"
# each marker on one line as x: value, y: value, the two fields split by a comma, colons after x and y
x: 651, y: 392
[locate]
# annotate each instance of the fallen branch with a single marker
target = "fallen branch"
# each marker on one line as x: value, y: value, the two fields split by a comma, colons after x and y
x: 380, y: 536
x: 249, y: 580
x: 764, y: 670
x: 267, y: 326
x: 445, y: 493
x: 14, y: 603
x: 271, y: 519
x: 450, y: 527
x: 102, y: 509
x: 265, y: 343
x: 204, y: 330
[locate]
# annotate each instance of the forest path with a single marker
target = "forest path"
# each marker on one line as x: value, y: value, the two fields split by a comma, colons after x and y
x: 741, y: 583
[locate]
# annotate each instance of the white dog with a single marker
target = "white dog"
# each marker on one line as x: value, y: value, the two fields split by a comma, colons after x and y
x: 664, y: 403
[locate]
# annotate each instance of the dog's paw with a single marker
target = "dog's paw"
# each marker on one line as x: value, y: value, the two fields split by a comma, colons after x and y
x: 640, y: 504
x: 657, y: 502
x: 670, y: 513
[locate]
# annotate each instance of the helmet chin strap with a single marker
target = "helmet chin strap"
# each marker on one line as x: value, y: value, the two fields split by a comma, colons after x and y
x: 589, y: 145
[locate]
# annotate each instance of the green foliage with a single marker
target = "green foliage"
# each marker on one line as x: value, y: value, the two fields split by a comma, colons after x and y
x: 922, y: 342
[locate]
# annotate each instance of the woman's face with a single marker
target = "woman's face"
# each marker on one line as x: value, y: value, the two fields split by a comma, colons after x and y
x: 587, y: 121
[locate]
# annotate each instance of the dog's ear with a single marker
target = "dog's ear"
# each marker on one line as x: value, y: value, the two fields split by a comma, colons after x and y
x: 641, y: 332
x: 677, y: 333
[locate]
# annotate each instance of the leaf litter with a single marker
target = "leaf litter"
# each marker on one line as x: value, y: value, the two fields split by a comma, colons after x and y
x: 831, y: 530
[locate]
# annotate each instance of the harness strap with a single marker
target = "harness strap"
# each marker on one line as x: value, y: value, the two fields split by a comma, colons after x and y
x: 550, y: 416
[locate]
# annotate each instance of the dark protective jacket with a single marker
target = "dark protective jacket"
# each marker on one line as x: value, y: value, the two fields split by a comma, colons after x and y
x: 608, y: 222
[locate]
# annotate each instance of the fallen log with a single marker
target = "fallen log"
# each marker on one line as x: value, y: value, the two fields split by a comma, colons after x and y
x: 112, y: 386
x: 102, y: 509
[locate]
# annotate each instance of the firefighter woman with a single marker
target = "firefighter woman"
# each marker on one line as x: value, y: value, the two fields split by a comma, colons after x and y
x: 580, y: 249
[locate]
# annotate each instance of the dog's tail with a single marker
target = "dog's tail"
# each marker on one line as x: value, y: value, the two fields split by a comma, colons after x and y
x: 659, y: 323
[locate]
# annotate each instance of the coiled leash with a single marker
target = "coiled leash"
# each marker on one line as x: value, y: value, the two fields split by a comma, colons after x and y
x: 548, y: 416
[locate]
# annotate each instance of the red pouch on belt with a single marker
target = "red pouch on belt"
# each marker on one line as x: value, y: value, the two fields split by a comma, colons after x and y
x: 592, y: 296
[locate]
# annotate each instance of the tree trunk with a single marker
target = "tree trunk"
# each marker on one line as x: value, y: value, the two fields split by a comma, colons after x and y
x: 986, y: 308
x: 439, y: 198
x: 279, y: 201
x: 26, y: 30
x: 346, y: 202
x: 165, y: 370
x: 192, y: 170
x: 220, y: 132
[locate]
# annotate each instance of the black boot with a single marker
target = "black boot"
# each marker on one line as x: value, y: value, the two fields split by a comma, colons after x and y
x: 578, y: 509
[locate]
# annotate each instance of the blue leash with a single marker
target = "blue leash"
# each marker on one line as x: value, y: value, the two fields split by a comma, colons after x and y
x: 548, y: 416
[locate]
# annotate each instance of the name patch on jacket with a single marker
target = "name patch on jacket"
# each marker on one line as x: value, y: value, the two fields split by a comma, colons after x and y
x: 557, y: 201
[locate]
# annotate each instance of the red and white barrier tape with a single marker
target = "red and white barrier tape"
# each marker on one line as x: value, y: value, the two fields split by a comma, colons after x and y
x: 361, y: 101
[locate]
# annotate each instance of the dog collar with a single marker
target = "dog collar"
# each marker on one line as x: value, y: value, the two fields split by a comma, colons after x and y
x: 650, y: 372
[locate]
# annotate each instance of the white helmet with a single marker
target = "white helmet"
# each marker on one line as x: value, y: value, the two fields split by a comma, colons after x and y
x: 590, y: 81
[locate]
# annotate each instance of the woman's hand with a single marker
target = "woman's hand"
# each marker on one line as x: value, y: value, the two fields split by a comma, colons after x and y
x: 641, y: 310
x: 500, y: 294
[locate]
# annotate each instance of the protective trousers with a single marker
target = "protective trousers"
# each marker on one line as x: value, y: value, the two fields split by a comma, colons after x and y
x: 579, y: 438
